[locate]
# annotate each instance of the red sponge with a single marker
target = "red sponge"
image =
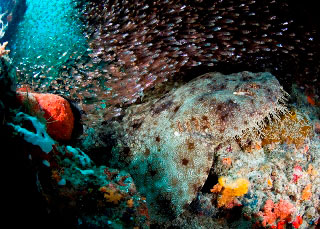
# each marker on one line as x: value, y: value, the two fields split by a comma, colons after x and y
x: 55, y: 109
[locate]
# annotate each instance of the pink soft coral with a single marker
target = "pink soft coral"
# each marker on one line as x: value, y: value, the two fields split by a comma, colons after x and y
x: 269, y: 217
x: 271, y: 212
x: 284, y: 209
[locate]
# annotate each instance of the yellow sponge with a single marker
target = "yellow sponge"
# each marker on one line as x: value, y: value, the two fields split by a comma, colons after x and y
x: 229, y: 190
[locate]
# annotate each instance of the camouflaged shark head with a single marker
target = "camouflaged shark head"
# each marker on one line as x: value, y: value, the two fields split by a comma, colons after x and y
x: 170, y: 142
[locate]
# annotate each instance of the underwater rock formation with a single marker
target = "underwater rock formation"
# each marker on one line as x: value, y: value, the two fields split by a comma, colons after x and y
x: 93, y: 196
x: 284, y: 177
x: 7, y: 84
x: 11, y: 13
x: 76, y: 191
x: 169, y: 143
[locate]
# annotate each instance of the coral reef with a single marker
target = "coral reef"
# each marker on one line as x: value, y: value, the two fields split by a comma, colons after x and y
x: 168, y: 144
x: 72, y: 190
x: 163, y: 147
x: 80, y: 186
x: 284, y: 176
x: 7, y: 85
x: 73, y: 185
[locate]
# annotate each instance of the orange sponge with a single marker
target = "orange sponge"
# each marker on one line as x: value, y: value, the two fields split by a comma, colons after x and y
x: 54, y: 109
x: 230, y: 189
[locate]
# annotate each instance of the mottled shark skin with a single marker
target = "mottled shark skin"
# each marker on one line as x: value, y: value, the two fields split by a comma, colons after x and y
x: 168, y: 144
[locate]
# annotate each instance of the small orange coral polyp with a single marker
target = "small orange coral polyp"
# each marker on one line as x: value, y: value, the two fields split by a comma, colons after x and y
x: 306, y: 192
x: 111, y: 195
x: 56, y: 110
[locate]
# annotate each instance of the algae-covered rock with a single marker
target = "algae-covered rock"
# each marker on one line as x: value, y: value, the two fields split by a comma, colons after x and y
x: 7, y: 84
x: 168, y: 144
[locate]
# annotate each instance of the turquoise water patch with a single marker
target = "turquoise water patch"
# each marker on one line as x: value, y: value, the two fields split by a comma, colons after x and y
x: 49, y: 35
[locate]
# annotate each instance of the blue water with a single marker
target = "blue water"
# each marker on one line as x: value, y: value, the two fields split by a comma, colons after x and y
x: 49, y: 34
